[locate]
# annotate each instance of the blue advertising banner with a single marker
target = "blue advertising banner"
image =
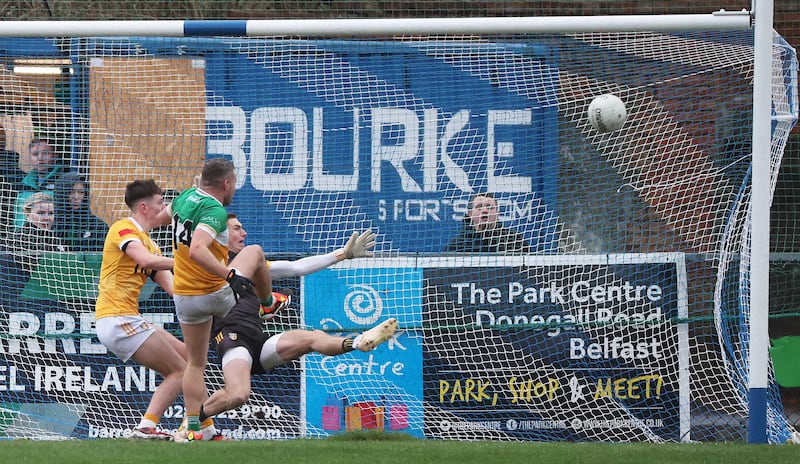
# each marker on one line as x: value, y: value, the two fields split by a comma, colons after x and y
x: 585, y: 342
x: 57, y: 380
x: 380, y: 389
x: 359, y: 130
x: 527, y: 347
x: 541, y: 348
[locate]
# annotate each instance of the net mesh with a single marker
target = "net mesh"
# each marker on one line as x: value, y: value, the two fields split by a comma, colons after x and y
x: 622, y: 315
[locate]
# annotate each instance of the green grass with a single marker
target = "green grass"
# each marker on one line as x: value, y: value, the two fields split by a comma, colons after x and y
x: 366, y: 449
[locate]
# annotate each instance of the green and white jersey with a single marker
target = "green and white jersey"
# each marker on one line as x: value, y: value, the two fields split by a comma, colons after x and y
x: 195, y: 209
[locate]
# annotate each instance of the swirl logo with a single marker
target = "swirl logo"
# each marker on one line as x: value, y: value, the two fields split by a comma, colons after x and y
x: 363, y: 305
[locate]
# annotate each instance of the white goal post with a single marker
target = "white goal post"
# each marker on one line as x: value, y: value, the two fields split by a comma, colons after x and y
x: 762, y: 194
x: 720, y: 21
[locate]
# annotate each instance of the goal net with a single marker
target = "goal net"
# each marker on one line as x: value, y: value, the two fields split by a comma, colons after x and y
x: 620, y: 312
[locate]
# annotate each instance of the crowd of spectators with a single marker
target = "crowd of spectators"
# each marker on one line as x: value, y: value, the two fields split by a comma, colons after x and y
x: 44, y: 210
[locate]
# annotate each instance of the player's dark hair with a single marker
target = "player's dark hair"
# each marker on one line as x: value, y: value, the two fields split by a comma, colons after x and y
x: 232, y: 216
x: 140, y: 189
x: 216, y: 171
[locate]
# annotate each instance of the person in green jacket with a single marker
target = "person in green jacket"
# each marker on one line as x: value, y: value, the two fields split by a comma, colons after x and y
x: 42, y: 176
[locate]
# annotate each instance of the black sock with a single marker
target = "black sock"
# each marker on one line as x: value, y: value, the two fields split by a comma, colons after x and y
x: 202, y: 415
x: 347, y: 346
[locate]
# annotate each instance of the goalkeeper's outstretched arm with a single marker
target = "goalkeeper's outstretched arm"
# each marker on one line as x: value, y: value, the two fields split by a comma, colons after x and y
x: 358, y: 246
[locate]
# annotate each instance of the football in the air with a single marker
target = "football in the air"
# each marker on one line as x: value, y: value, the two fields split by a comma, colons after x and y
x: 607, y: 113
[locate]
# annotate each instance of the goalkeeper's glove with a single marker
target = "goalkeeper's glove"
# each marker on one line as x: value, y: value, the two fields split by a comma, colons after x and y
x: 279, y: 302
x: 359, y: 246
x: 239, y: 283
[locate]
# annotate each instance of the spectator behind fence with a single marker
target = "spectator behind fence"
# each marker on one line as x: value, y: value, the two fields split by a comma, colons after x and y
x: 42, y: 177
x: 10, y: 171
x: 482, y: 233
x: 10, y: 179
x: 75, y: 225
x: 35, y: 236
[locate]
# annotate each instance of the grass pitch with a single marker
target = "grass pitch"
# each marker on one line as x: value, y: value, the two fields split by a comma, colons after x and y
x: 370, y: 449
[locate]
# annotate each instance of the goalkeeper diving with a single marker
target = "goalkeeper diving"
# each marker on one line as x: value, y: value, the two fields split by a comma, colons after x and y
x: 245, y: 349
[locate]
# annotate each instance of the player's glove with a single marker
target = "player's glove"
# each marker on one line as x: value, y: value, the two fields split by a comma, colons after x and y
x: 239, y: 283
x: 359, y: 246
x: 279, y: 302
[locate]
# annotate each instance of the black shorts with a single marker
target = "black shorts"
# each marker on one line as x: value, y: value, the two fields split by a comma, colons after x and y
x: 241, y: 327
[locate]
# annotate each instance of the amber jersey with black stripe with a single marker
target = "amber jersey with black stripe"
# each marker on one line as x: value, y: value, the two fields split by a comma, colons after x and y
x: 121, y: 278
